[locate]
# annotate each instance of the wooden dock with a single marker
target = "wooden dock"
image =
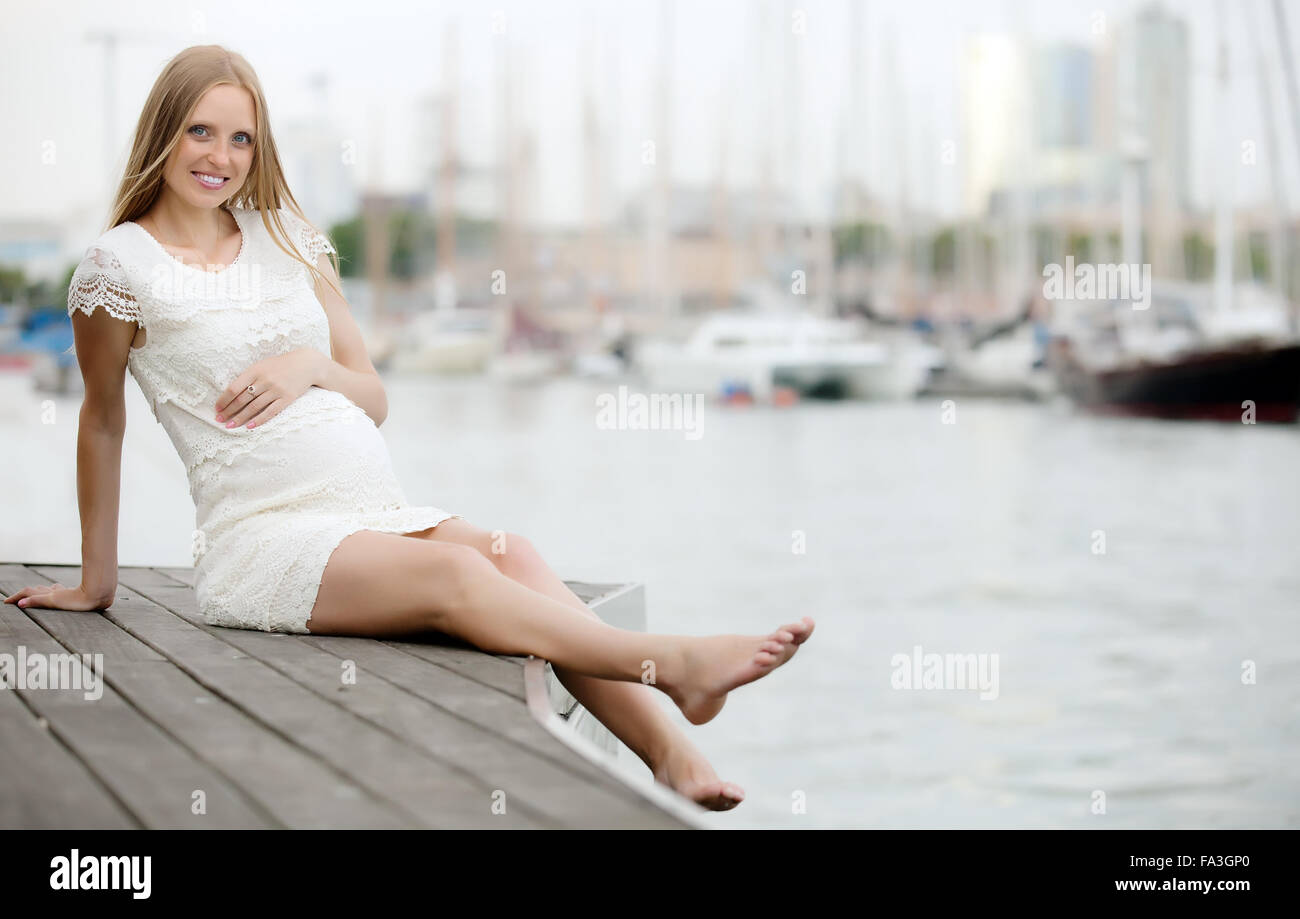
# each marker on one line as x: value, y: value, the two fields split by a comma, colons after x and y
x: 211, y: 728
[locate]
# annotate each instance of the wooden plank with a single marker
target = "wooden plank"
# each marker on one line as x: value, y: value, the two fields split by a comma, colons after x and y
x: 45, y: 786
x: 503, y: 673
x: 448, y: 686
x: 389, y: 767
x: 404, y: 694
x: 387, y: 695
x: 184, y: 575
x: 502, y: 733
x: 451, y: 691
x: 300, y: 792
x: 621, y: 605
x: 148, y: 771
x: 544, y: 768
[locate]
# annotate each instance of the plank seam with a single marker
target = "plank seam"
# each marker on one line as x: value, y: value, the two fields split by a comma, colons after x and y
x: 608, y: 780
x: 352, y: 780
x: 467, y: 676
x: 58, y: 734
x: 254, y: 804
x: 567, y: 766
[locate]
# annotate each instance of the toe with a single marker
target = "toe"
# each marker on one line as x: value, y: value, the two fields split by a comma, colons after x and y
x: 723, y: 800
x: 717, y: 796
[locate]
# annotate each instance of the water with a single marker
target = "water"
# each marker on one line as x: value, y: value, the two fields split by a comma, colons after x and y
x: 1119, y: 666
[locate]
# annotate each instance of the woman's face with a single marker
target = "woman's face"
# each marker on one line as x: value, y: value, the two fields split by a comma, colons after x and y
x: 217, y: 142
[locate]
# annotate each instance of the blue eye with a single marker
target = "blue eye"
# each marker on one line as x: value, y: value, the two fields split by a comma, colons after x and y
x: 244, y: 134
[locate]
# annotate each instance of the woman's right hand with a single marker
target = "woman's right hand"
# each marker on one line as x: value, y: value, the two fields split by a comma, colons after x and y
x: 56, y: 596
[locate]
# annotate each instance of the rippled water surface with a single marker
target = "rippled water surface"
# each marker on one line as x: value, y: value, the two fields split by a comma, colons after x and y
x: 1124, y: 573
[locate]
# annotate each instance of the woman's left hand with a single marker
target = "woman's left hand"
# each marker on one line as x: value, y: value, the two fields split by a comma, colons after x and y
x: 277, y: 381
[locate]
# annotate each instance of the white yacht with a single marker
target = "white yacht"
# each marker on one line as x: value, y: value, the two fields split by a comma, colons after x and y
x: 759, y: 352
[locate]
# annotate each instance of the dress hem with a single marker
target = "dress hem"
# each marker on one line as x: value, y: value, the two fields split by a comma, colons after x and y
x: 290, y: 608
x: 336, y: 542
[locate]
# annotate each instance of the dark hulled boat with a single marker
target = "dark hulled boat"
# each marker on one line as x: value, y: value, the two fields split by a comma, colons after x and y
x: 1213, y: 384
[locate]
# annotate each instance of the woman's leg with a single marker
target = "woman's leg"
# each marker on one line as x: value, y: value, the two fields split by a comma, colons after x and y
x: 629, y: 710
x: 387, y: 585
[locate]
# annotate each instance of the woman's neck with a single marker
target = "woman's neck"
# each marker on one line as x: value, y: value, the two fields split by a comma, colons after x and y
x: 183, y: 225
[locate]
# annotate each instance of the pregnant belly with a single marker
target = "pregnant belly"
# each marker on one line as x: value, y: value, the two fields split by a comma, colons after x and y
x: 337, y: 462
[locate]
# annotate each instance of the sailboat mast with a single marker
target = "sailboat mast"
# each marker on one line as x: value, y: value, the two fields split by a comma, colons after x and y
x: 1133, y: 152
x: 1277, y: 234
x: 1288, y: 64
x: 445, y: 238
x: 1223, y: 185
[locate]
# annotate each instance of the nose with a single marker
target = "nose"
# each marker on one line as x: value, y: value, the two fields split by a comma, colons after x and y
x: 220, y: 158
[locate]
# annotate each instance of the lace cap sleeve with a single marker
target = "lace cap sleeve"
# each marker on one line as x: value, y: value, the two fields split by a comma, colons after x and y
x: 310, y: 242
x: 100, y: 281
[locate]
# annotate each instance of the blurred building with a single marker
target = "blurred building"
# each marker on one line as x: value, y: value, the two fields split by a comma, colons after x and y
x: 1044, y: 126
x: 994, y: 107
x: 1053, y: 110
x: 1066, y: 155
x: 1156, y: 42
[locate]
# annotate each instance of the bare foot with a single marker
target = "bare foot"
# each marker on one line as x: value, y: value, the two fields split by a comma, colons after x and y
x: 798, y: 633
x: 691, y: 776
x: 713, y: 666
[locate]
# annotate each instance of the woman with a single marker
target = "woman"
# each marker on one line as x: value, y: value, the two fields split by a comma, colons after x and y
x: 211, y: 293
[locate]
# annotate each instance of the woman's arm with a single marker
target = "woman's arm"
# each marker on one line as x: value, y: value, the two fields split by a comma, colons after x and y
x: 102, y: 345
x: 104, y: 321
x: 349, y: 370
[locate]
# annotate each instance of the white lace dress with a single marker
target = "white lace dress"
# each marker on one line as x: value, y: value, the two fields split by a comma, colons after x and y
x: 271, y: 502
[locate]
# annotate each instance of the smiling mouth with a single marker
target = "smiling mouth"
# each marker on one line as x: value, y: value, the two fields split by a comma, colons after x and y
x: 207, y: 180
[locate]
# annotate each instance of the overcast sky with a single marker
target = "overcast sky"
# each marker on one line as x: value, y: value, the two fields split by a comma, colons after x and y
x: 383, y: 54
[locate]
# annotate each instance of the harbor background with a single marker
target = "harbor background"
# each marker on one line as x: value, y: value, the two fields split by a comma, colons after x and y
x: 829, y: 221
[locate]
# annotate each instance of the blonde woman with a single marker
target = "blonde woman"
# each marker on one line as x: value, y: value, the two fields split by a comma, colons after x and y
x: 225, y: 305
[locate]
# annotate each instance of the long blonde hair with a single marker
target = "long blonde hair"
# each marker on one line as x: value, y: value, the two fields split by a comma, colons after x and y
x: 163, y: 121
